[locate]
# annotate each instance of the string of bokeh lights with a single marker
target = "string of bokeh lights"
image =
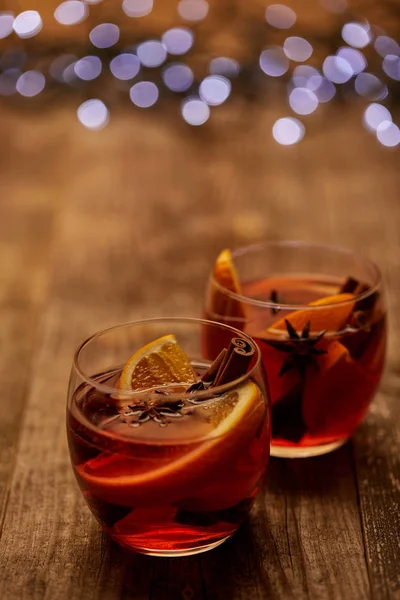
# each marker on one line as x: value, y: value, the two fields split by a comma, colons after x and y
x: 307, y: 89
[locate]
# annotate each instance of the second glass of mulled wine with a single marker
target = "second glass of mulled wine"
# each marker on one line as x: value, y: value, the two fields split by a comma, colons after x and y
x: 318, y: 314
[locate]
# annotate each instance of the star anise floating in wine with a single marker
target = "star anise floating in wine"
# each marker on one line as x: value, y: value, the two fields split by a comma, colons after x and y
x: 160, y: 413
x: 300, y: 348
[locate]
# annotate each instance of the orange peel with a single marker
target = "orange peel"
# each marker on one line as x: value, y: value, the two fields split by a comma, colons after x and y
x: 330, y: 318
x: 225, y: 274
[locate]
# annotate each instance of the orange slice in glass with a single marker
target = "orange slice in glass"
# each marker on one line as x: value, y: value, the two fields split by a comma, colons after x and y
x: 221, y: 304
x: 331, y: 318
x: 160, y: 363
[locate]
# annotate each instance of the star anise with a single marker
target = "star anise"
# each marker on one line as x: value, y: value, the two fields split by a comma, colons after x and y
x: 160, y: 413
x: 301, y: 349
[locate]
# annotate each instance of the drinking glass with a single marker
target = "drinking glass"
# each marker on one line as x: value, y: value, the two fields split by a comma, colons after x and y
x: 159, y: 484
x: 318, y: 314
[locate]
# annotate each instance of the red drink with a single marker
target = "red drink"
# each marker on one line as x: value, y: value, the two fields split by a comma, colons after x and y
x: 323, y: 348
x: 171, y: 476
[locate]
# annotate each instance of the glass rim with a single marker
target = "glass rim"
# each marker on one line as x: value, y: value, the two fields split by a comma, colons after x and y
x: 300, y: 244
x: 151, y: 393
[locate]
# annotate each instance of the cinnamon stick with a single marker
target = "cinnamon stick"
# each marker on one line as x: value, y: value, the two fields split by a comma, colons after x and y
x: 212, y: 371
x: 235, y: 362
x: 352, y: 286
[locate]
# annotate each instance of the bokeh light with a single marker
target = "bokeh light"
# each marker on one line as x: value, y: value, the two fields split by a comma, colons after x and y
x: 6, y: 24
x: 374, y: 115
x: 274, y: 62
x: 288, y: 131
x: 71, y: 12
x: 388, y: 134
x: 8, y: 82
x: 303, y: 101
x: 125, y: 66
x: 69, y: 75
x: 144, y: 94
x: 306, y: 76
x: 31, y: 83
x: 355, y: 58
x: 193, y: 10
x: 215, y: 89
x: 357, y: 35
x: 222, y: 65
x: 104, y: 35
x: 370, y: 86
x: 280, y: 16
x: 178, y: 77
x: 88, y: 68
x: 391, y: 66
x: 137, y: 8
x: 93, y: 114
x: 195, y: 111
x: 385, y: 45
x: 59, y: 65
x: 28, y: 24
x: 337, y: 69
x: 151, y: 53
x: 297, y: 49
x: 178, y: 40
x: 325, y: 91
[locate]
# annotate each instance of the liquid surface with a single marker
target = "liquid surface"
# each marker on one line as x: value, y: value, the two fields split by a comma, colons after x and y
x: 163, y: 419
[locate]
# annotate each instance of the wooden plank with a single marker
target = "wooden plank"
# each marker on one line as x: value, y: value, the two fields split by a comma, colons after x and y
x: 305, y: 528
x: 25, y: 236
x: 17, y: 336
x: 177, y: 579
x: 377, y: 451
x: 51, y: 547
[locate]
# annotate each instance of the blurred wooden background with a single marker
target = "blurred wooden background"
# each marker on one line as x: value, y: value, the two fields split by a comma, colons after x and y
x: 102, y: 227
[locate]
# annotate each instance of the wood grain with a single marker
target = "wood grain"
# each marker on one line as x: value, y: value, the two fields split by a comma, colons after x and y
x: 112, y: 226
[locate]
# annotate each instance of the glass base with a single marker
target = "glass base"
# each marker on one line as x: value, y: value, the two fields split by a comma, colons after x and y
x: 305, y: 451
x: 179, y: 552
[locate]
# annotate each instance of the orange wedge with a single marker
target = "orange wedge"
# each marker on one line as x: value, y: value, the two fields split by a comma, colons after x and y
x: 330, y: 318
x: 221, y: 304
x: 162, y: 362
x: 157, y: 471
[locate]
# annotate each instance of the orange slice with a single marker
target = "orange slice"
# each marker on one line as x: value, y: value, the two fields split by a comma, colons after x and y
x: 222, y: 305
x: 160, y: 363
x: 156, y: 471
x: 332, y: 318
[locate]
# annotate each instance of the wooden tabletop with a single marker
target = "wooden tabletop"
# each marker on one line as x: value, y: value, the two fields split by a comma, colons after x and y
x: 98, y: 228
